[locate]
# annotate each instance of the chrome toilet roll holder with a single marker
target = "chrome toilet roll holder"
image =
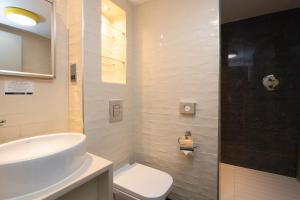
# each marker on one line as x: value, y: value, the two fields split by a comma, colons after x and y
x: 186, y: 142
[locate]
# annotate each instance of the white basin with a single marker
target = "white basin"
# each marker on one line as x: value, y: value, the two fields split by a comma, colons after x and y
x: 32, y: 164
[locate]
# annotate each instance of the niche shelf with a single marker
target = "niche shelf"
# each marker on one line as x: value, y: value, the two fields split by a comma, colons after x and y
x: 113, y: 43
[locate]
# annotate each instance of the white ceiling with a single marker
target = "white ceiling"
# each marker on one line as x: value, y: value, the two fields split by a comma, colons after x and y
x: 137, y: 2
x: 233, y: 10
x: 40, y: 7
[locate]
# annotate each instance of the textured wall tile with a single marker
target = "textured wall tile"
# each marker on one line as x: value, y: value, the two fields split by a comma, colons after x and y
x: 167, y: 67
x: 113, y: 141
x: 177, y: 59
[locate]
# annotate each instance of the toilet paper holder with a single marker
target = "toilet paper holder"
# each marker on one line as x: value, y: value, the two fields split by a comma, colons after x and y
x: 186, y: 143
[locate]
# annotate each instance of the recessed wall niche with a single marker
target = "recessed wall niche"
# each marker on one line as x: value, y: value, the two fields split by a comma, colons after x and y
x: 113, y: 46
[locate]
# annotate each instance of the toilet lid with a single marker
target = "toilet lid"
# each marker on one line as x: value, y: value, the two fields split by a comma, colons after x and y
x: 143, y: 182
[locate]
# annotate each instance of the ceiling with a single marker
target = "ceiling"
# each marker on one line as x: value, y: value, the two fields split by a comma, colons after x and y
x: 233, y: 10
x: 137, y: 2
x: 40, y: 7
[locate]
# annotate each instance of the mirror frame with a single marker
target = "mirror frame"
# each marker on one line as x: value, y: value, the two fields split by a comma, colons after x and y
x: 53, y: 53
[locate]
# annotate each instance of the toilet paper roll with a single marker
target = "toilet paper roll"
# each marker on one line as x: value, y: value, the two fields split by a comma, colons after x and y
x: 187, y: 152
x: 186, y: 144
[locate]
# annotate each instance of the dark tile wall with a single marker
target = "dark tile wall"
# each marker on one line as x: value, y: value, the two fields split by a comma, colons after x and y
x: 260, y: 129
x: 298, y: 173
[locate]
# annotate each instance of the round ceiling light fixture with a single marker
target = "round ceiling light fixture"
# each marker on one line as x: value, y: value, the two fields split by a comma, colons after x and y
x: 21, y: 16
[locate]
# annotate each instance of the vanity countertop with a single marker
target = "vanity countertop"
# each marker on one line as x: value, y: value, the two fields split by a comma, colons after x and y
x: 92, y: 168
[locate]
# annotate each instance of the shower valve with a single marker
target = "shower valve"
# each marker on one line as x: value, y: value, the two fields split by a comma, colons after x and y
x: 270, y: 82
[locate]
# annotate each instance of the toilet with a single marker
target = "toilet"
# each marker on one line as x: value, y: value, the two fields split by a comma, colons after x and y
x: 139, y: 182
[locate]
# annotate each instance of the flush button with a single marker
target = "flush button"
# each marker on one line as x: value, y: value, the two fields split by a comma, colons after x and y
x: 115, y: 111
x: 187, y: 108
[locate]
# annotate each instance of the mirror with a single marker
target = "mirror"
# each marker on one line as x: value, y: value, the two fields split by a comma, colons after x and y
x: 27, y: 38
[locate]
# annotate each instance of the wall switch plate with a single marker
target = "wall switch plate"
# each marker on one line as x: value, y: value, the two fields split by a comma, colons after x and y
x: 115, y: 111
x: 73, y: 73
x: 187, y: 108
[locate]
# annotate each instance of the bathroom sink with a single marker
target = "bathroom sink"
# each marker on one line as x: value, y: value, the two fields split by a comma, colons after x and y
x: 32, y: 164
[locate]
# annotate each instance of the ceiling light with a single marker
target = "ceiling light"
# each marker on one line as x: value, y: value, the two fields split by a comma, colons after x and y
x: 105, y: 8
x: 21, y: 16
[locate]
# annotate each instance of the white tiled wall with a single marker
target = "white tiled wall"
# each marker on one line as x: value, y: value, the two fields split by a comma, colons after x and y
x: 111, y: 141
x: 177, y: 52
x: 47, y: 110
x: 239, y: 183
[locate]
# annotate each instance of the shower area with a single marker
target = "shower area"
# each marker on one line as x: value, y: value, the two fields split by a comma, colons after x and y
x: 260, y: 100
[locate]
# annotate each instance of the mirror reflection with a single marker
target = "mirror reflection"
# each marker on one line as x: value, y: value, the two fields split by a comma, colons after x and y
x: 25, y: 36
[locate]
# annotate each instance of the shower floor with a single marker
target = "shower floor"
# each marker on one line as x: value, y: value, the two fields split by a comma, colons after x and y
x: 239, y: 183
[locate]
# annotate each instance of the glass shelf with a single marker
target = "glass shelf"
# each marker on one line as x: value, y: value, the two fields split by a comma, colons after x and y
x: 113, y: 28
x: 114, y: 59
x: 115, y: 38
x: 114, y: 70
x: 114, y: 53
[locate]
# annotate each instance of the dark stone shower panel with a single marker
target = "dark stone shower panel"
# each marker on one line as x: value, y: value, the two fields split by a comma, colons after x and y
x: 260, y: 128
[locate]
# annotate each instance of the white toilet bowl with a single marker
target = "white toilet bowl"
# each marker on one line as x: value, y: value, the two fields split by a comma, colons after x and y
x: 139, y: 182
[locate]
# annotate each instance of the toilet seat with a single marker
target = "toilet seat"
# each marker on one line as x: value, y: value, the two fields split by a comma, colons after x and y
x: 142, y: 182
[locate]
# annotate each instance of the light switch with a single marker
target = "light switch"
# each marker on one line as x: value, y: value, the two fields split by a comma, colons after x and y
x: 187, y: 108
x: 115, y: 111
x: 73, y: 73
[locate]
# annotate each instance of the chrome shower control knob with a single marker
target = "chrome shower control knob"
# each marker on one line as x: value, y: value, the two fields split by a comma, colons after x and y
x: 270, y: 82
